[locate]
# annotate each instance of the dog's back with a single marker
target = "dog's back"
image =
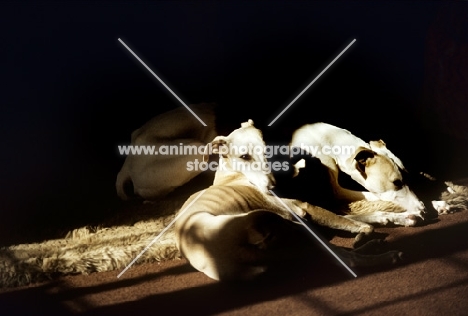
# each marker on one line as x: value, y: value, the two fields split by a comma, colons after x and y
x: 322, y: 139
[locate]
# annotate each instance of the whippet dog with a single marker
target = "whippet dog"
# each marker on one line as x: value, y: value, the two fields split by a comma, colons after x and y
x: 371, y: 164
x: 237, y: 230
x: 153, y: 175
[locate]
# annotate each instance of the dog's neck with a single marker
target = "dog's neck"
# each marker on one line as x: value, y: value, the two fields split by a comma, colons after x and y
x: 229, y: 177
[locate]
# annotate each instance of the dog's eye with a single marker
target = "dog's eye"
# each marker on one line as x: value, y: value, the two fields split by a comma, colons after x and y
x: 246, y: 157
x: 398, y: 184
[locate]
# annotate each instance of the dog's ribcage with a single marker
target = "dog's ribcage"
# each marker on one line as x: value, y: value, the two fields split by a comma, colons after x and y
x: 232, y: 200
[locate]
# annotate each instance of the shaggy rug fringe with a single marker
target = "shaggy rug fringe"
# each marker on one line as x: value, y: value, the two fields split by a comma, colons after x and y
x: 86, y: 250
x: 366, y: 207
x: 456, y: 196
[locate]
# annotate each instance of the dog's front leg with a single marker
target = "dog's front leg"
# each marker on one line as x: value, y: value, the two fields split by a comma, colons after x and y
x: 329, y: 219
x: 383, y: 218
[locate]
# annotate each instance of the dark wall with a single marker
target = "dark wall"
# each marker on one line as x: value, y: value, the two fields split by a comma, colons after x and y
x: 71, y: 92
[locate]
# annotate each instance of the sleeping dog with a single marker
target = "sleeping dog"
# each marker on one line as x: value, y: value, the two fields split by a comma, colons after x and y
x: 151, y: 176
x: 372, y: 165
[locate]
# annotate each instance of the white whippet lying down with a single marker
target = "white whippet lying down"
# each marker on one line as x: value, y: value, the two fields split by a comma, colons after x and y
x: 237, y: 230
x: 152, y: 176
x: 371, y: 164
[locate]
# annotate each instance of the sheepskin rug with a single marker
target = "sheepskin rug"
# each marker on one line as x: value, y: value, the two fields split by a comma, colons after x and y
x: 456, y: 196
x: 115, y: 244
x: 110, y: 246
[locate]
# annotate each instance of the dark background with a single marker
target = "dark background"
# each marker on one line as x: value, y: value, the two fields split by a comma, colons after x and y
x: 71, y: 92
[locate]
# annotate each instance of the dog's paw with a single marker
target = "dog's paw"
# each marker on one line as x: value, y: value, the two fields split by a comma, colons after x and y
x: 362, y: 239
x: 372, y: 247
x: 419, y: 212
x: 397, y: 256
x: 441, y: 207
x: 412, y: 220
x: 407, y: 221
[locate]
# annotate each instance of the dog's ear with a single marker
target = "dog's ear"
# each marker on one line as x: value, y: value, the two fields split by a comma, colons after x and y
x: 217, y: 143
x: 206, y: 152
x: 380, y: 147
x: 377, y: 144
x: 298, y: 166
x: 249, y: 123
x: 362, y: 159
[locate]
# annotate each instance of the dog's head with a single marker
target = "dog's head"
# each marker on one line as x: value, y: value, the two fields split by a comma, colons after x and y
x: 243, y: 151
x: 382, y: 174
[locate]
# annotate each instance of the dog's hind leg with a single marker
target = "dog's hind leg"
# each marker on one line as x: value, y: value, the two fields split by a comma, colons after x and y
x: 280, y: 240
x: 329, y: 219
x: 355, y: 258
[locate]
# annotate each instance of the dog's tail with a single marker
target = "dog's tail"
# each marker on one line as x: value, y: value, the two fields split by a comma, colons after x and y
x: 362, y: 207
x: 124, y: 186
